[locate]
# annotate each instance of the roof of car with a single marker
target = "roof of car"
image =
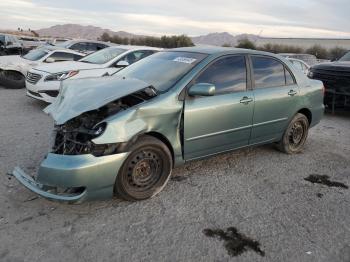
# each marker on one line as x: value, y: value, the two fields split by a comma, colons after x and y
x: 53, y: 48
x: 136, y: 47
x: 88, y: 41
x: 210, y: 50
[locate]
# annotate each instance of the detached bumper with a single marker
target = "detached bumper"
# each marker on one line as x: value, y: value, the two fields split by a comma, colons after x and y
x: 32, y: 185
x: 93, y: 176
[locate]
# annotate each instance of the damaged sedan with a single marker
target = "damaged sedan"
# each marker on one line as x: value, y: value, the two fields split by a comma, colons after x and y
x: 122, y: 135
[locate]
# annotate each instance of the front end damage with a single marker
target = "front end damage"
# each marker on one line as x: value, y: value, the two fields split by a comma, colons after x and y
x: 77, y: 168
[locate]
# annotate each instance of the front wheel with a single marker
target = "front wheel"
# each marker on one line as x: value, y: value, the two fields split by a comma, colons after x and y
x: 295, y: 135
x: 12, y: 79
x: 146, y: 170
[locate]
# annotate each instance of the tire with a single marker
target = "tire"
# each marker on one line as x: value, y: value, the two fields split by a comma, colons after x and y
x: 146, y: 170
x: 294, y: 137
x: 12, y: 79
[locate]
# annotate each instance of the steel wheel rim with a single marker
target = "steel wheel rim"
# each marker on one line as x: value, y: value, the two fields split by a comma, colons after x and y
x: 296, y: 134
x: 144, y: 171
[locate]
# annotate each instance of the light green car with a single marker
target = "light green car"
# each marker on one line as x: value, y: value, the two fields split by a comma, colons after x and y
x: 124, y: 134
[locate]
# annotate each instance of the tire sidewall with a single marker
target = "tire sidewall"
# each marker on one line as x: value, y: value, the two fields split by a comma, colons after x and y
x: 285, y: 141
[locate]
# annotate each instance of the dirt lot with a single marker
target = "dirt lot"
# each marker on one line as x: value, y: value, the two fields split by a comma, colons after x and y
x: 260, y: 192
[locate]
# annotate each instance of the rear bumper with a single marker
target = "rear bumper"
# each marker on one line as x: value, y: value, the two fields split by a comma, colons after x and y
x: 95, y: 175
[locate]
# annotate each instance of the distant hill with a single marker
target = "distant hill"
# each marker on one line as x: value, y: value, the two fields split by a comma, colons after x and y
x: 94, y: 32
x: 220, y: 39
x: 80, y: 31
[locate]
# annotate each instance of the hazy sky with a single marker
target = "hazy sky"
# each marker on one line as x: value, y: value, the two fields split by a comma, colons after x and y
x: 278, y: 18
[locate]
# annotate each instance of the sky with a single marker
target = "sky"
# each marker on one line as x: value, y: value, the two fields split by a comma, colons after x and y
x: 269, y: 18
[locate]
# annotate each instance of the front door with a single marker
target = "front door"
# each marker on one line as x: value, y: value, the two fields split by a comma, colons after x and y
x: 221, y: 122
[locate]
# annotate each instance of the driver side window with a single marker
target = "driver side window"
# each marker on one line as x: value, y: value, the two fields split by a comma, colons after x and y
x: 228, y: 74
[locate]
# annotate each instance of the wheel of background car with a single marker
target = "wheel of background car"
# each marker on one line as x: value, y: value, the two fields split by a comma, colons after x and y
x: 12, y: 80
x: 295, y: 135
x: 3, y: 52
x: 146, y: 170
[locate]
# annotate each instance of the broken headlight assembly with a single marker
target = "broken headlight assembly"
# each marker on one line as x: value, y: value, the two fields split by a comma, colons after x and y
x: 61, y: 76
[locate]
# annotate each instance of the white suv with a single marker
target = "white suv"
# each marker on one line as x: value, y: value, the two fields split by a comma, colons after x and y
x: 43, y: 82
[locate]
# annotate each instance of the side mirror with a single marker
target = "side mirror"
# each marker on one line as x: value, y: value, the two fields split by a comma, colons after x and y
x: 122, y: 64
x: 202, y: 89
x: 50, y: 60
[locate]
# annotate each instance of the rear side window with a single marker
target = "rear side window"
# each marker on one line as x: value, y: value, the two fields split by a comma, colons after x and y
x: 228, y: 74
x: 269, y: 72
x: 79, y: 47
x: 136, y: 56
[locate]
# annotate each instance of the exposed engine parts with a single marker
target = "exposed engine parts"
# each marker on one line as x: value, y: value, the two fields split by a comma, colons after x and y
x: 74, y: 137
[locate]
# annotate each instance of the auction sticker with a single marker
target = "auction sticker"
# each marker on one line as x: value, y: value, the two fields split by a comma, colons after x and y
x: 186, y: 60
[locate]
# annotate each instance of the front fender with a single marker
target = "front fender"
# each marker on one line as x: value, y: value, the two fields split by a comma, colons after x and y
x: 161, y: 115
x: 12, y: 67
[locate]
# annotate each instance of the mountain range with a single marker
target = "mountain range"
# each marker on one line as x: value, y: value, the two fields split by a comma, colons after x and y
x: 94, y: 32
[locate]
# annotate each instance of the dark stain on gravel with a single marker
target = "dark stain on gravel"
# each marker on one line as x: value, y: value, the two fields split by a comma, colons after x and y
x: 23, y: 220
x: 179, y: 178
x: 235, y: 242
x: 324, y: 180
x: 319, y: 195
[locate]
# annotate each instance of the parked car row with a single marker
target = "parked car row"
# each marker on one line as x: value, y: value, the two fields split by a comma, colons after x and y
x: 125, y: 116
x: 15, y: 62
x: 43, y: 82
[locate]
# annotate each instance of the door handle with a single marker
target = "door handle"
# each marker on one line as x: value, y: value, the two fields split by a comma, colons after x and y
x: 292, y: 92
x: 246, y: 100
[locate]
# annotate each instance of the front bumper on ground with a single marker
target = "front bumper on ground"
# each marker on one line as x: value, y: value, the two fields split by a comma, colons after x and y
x: 94, y: 175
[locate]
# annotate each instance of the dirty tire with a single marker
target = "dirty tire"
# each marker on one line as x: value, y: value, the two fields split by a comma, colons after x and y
x: 12, y: 80
x: 146, y: 170
x: 294, y: 137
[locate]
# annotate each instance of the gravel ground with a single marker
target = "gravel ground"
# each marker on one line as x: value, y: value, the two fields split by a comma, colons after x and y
x: 259, y: 191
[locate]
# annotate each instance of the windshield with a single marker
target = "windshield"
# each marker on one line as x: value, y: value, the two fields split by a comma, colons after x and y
x: 103, y: 56
x: 35, y: 54
x: 346, y: 57
x: 162, y: 70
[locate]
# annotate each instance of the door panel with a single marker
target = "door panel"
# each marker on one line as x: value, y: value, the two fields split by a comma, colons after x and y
x: 272, y: 112
x: 275, y: 94
x: 216, y: 124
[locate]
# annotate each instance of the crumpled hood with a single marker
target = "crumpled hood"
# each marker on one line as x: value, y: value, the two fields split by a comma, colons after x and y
x: 83, y: 95
x: 64, y: 66
x: 334, y: 66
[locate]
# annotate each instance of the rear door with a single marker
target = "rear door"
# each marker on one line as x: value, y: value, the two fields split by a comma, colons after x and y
x: 275, y: 94
x: 221, y: 122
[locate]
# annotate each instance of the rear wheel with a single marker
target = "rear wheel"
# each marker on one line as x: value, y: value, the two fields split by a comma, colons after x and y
x: 12, y: 79
x: 295, y: 135
x: 146, y: 170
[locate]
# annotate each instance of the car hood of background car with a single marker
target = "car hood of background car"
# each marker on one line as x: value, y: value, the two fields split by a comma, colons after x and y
x: 334, y: 66
x: 13, y: 60
x: 83, y: 95
x: 58, y: 67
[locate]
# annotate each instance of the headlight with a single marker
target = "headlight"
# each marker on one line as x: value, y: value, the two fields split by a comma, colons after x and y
x: 61, y: 76
x: 310, y: 74
x: 99, y: 129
